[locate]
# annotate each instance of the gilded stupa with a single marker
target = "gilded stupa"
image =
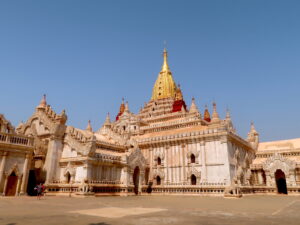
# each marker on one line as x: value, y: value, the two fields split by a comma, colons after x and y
x: 164, y: 87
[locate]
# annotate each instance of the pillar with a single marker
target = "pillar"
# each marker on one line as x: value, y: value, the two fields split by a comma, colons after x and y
x: 5, y: 184
x: 176, y: 163
x: 203, y: 162
x: 2, y: 166
x: 51, y: 164
x: 141, y: 175
x: 172, y: 163
x: 18, y: 184
x: 100, y: 173
x: 183, y: 158
x: 260, y: 178
x: 167, y: 163
x: 180, y: 154
x: 25, y: 175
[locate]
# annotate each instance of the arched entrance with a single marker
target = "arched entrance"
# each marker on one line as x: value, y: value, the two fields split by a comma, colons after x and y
x: 158, y: 180
x: 11, y: 187
x: 193, y: 180
x: 136, y: 179
x: 193, y: 158
x: 68, y: 177
x: 280, y: 182
x: 158, y: 161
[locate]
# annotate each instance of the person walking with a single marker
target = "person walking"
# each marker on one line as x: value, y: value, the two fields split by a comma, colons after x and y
x: 39, y: 191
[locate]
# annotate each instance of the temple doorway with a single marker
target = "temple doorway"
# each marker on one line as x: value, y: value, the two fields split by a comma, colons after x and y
x: 11, y: 187
x: 136, y: 179
x: 158, y: 180
x: 68, y: 176
x: 280, y: 182
x: 31, y: 183
x: 193, y: 180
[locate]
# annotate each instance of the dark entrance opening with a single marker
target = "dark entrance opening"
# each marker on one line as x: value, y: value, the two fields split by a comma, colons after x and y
x: 193, y: 179
x: 158, y: 161
x: 68, y: 177
x: 193, y: 158
x: 136, y: 179
x: 280, y: 182
x: 158, y: 181
x: 31, y: 183
x: 11, y: 187
x: 147, y: 172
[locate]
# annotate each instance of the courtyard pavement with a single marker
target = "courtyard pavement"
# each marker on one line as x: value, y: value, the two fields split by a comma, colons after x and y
x: 149, y: 210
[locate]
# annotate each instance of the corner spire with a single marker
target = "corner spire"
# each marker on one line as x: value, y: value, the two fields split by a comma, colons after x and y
x: 107, y: 122
x: 228, y: 117
x: 126, y: 107
x: 253, y: 137
x: 215, y: 115
x: 194, y: 108
x: 89, y: 127
x: 252, y: 128
x: 122, y: 109
x: 206, y: 114
x: 43, y: 102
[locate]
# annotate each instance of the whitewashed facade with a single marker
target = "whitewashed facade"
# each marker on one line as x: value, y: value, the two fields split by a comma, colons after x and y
x: 166, y: 148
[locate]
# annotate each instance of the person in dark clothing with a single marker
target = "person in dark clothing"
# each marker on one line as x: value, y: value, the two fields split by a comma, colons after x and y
x: 39, y: 191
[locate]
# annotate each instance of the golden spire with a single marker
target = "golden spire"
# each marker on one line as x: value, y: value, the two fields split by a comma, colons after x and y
x: 164, y: 86
x: 165, y: 66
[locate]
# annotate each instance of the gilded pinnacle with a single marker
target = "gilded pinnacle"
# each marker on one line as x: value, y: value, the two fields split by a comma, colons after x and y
x: 165, y: 86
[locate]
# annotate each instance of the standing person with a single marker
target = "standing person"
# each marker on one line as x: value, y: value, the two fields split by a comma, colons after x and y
x: 39, y: 190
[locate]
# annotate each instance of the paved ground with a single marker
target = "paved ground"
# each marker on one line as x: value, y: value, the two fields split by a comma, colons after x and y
x: 150, y: 210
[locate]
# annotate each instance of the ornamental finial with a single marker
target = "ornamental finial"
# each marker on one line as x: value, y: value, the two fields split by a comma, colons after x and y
x: 43, y: 102
x: 89, y: 127
x: 165, y: 66
x: 215, y: 115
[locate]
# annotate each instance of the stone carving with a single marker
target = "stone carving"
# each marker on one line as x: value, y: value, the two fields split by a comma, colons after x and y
x: 70, y: 169
x: 15, y: 169
x: 194, y: 171
x: 136, y: 158
x: 277, y: 161
x: 195, y: 153
x: 158, y: 172
x: 159, y: 154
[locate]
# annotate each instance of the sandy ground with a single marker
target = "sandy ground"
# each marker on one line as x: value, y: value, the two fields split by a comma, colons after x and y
x: 150, y: 210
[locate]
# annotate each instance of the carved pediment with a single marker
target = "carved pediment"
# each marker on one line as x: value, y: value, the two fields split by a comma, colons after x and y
x: 136, y: 158
x: 194, y: 171
x: 278, y: 161
x: 158, y: 172
x: 82, y: 146
x: 70, y: 169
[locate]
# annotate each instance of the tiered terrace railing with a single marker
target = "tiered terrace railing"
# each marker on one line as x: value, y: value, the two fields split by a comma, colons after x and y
x: 16, y: 139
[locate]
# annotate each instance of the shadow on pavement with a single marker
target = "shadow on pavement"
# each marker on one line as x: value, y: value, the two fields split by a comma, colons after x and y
x: 98, y: 224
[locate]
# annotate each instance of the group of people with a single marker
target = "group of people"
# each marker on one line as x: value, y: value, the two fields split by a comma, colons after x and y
x: 40, y: 189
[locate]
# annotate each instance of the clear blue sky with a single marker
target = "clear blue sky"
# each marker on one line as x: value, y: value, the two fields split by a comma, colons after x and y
x: 87, y: 55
